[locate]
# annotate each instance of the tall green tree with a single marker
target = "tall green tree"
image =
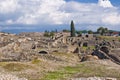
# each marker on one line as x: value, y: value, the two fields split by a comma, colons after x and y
x: 102, y: 30
x: 90, y: 32
x: 106, y: 30
x: 72, y: 29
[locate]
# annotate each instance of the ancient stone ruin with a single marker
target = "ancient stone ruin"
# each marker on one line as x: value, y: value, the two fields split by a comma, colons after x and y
x: 24, y: 46
x: 104, y: 51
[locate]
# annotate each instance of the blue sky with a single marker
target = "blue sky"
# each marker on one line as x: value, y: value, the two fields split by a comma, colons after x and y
x: 39, y: 15
x: 114, y: 2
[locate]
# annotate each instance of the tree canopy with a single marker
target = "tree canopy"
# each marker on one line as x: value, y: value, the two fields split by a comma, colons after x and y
x: 72, y: 29
x: 102, y: 30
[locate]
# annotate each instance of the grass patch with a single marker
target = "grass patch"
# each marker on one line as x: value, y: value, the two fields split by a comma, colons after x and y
x: 54, y: 75
x: 109, y: 37
x: 62, y: 54
x: 84, y: 48
x: 16, y: 67
x: 82, y: 70
x: 36, y: 61
x: 87, y: 48
x: 3, y: 63
x: 64, y: 73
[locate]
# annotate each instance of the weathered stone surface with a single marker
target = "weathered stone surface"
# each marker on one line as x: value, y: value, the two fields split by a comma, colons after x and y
x: 89, y: 58
x: 100, y: 54
x: 16, y: 51
x: 103, y: 51
x: 26, y: 44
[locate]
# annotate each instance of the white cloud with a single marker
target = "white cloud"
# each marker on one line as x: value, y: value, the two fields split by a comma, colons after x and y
x: 8, y: 6
x: 44, y: 12
x: 9, y: 21
x: 112, y: 19
x: 105, y: 3
x: 55, y: 12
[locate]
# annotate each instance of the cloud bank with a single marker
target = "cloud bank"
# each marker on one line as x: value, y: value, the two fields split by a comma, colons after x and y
x: 56, y: 12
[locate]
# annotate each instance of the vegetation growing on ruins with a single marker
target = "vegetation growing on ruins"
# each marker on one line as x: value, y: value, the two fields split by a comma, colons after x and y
x: 49, y: 34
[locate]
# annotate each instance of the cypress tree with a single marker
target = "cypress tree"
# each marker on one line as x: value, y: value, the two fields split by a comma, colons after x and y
x: 72, y: 29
